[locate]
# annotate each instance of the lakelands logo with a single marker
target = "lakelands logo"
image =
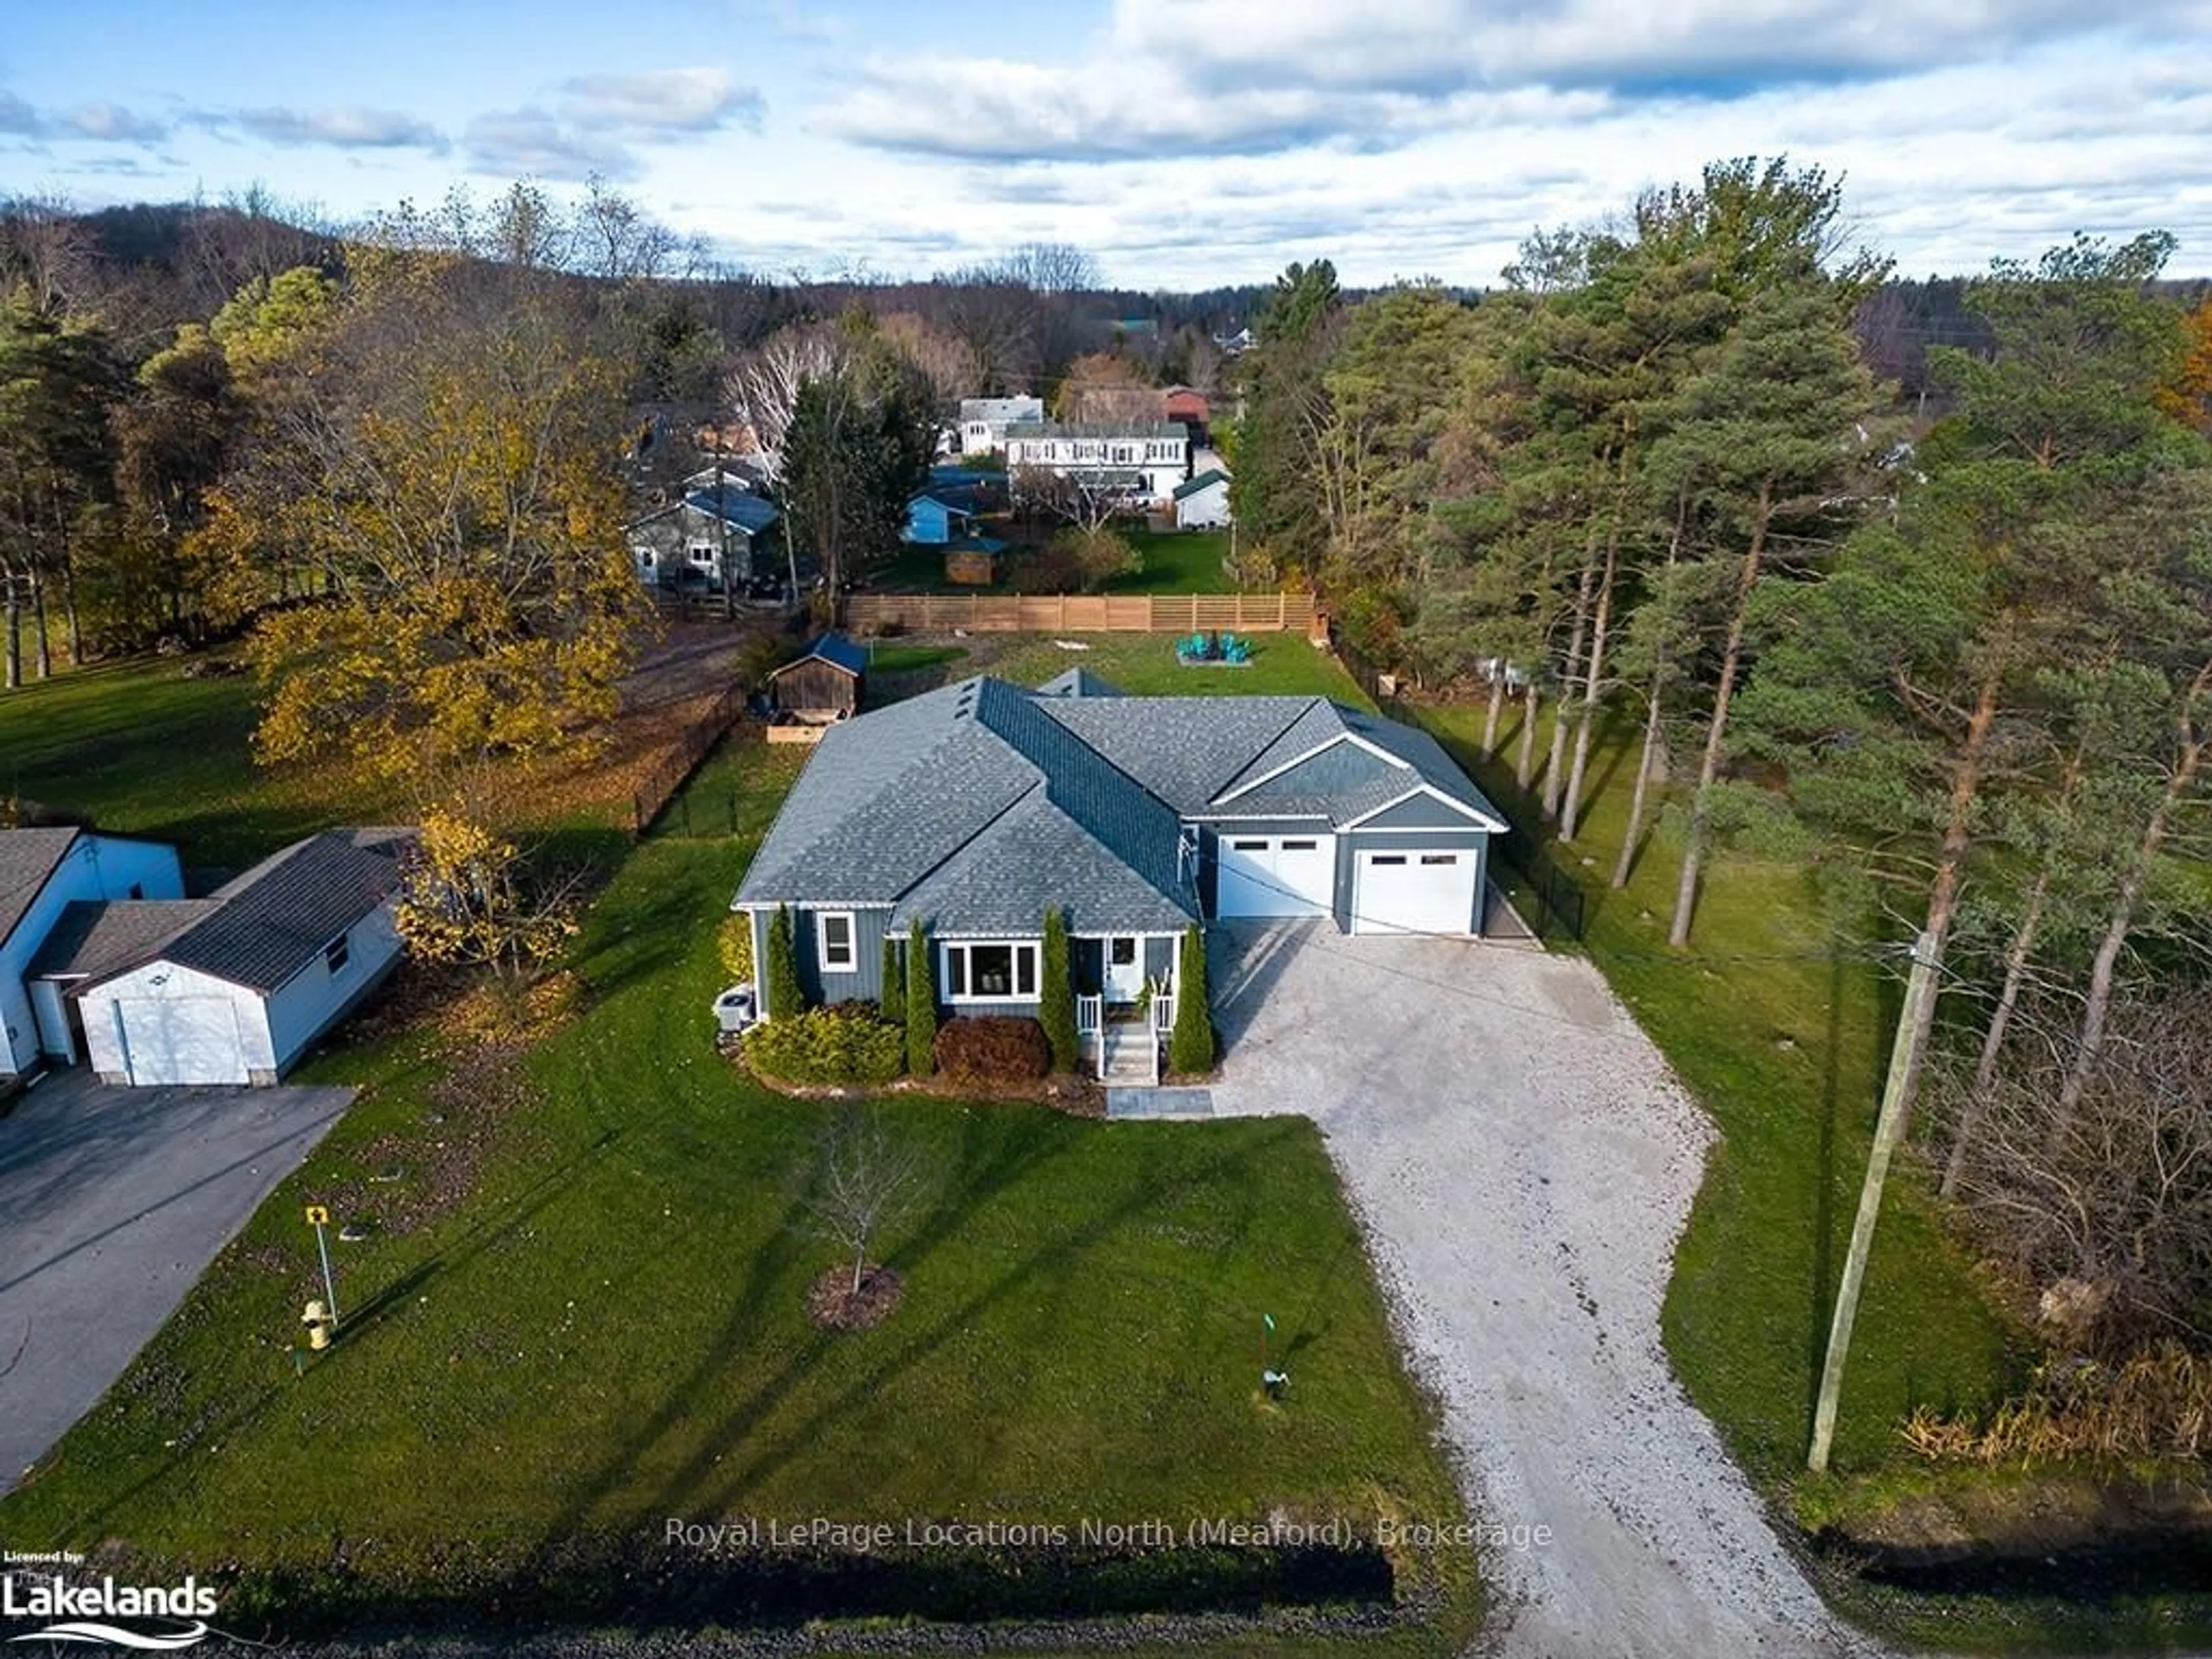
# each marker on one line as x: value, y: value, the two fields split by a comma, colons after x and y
x: 82, y: 1613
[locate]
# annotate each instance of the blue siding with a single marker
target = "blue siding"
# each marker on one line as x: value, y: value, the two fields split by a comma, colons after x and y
x: 928, y: 522
x: 865, y: 982
x: 1423, y: 811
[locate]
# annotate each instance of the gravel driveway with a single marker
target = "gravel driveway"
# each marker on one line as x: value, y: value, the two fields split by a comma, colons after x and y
x: 1522, y: 1161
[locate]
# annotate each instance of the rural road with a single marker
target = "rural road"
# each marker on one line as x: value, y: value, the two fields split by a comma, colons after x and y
x: 1523, y: 1161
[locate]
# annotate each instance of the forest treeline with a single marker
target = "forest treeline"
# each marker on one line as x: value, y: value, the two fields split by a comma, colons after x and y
x: 1950, y: 649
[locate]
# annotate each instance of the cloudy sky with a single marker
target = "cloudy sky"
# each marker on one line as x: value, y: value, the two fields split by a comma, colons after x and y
x: 1185, y: 143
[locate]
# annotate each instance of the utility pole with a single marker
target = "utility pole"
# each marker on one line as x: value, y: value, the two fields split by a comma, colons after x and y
x: 1889, y: 1130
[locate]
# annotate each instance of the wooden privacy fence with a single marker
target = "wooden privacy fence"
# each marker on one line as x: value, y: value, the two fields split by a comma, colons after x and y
x: 1080, y: 613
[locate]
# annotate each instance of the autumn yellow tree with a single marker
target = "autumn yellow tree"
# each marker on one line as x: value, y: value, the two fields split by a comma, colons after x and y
x: 443, y: 450
x: 470, y: 899
x: 2188, y: 396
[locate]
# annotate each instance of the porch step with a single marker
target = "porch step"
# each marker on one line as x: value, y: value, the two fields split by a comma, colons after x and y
x: 1127, y: 1062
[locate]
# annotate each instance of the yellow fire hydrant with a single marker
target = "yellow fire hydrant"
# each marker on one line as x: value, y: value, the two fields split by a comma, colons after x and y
x: 317, y: 1319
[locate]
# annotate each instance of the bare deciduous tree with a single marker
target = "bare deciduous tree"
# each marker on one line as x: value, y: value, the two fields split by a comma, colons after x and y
x: 867, y: 1181
x: 2112, y: 1220
x: 763, y: 391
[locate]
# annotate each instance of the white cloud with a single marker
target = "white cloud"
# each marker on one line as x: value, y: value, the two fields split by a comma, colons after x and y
x: 1411, y: 136
x: 342, y: 128
x: 532, y: 143
x: 109, y: 124
x: 594, y: 119
x: 660, y: 101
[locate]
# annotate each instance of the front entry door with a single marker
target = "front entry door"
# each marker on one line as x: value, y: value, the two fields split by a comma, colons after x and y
x: 1125, y: 968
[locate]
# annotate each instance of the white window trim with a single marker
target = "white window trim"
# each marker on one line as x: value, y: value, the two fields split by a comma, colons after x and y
x: 946, y: 947
x: 822, y: 942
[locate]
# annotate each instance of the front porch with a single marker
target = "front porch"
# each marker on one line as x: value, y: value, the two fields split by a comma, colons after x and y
x: 1125, y: 998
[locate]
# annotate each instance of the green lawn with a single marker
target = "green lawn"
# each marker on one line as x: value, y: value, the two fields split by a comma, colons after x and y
x: 1144, y: 665
x: 1176, y: 561
x: 585, y: 1317
x: 143, y: 749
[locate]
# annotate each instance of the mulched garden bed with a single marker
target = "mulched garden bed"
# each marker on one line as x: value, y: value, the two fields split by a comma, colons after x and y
x: 834, y: 1305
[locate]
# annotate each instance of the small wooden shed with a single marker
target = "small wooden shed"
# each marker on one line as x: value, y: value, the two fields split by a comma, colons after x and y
x: 824, y: 684
x: 974, y: 563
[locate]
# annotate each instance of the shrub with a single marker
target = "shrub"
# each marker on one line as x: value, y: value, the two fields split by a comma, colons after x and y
x: 1075, y: 560
x: 736, y: 946
x: 786, y: 995
x: 1056, y: 996
x: 892, y: 997
x: 846, y: 1044
x: 920, y: 1004
x: 994, y: 1048
x: 1190, y: 1045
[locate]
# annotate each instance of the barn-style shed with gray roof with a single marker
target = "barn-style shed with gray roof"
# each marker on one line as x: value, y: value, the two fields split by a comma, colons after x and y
x: 973, y: 809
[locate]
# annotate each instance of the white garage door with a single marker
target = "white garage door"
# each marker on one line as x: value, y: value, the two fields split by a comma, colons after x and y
x: 1416, y: 892
x: 178, y: 1040
x: 1276, y: 875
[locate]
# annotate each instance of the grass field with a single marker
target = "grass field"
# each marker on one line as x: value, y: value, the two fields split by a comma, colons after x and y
x: 142, y: 750
x: 580, y: 1313
x: 1142, y: 665
x: 1176, y: 561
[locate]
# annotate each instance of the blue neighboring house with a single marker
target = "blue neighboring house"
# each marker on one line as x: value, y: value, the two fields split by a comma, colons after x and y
x: 941, y: 514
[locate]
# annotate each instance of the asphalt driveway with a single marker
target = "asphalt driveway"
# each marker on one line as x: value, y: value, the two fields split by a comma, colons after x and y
x: 1523, y: 1161
x: 113, y: 1202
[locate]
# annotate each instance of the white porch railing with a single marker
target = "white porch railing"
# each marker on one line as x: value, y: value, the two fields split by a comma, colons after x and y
x: 1163, y: 1023
x: 1091, y: 1022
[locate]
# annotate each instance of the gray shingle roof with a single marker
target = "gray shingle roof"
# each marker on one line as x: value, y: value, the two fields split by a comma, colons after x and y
x: 974, y: 806
x: 1184, y: 749
x: 1079, y: 682
x: 27, y: 858
x: 749, y: 513
x: 96, y: 938
x: 271, y: 921
x: 1425, y: 756
x: 971, y: 799
x: 1191, y: 751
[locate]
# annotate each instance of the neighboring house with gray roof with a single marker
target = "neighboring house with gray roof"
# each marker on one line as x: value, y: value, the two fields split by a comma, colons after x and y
x: 974, y: 808
x: 45, y: 873
x: 234, y: 987
x: 717, y: 530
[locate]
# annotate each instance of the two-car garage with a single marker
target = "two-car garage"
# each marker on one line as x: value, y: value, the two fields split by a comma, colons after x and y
x: 1422, y: 884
